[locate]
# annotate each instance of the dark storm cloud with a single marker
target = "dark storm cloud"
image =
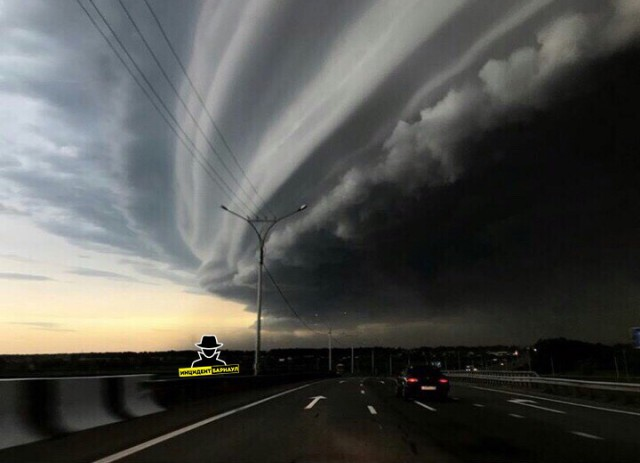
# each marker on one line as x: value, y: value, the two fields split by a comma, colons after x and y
x: 23, y: 276
x: 511, y: 203
x: 467, y: 164
x: 93, y: 162
x: 169, y: 272
x: 88, y: 214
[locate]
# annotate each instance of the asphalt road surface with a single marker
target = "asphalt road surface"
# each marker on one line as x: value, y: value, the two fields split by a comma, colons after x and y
x: 360, y: 420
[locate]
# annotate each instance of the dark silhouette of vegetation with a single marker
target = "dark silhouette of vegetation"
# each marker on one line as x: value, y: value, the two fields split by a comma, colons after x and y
x: 557, y: 356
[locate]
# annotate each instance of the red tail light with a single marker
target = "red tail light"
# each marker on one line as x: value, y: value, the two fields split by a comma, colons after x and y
x: 443, y: 380
x: 412, y: 380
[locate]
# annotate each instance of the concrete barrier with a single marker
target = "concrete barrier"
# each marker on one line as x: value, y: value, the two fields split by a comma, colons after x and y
x: 136, y: 397
x: 32, y: 409
x: 80, y: 403
x: 16, y: 418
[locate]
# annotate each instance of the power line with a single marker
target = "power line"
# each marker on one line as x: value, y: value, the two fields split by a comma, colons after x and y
x: 284, y: 298
x: 204, y: 106
x: 166, y: 115
x: 286, y: 301
x: 204, y: 158
x: 176, y: 91
x: 220, y: 181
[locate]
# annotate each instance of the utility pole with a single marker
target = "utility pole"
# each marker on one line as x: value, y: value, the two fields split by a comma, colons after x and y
x: 352, y: 359
x: 352, y: 336
x: 263, y: 233
x: 330, y: 362
x: 373, y: 363
x: 390, y: 364
x: 329, y: 332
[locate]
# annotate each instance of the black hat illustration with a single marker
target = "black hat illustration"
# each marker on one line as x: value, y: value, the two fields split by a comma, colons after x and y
x: 209, y: 342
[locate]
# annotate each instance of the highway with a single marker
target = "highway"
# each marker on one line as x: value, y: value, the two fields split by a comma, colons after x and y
x: 358, y: 420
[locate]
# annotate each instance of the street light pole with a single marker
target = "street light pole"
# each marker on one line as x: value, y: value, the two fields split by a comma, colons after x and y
x: 329, y: 332
x: 262, y: 234
x: 352, y: 348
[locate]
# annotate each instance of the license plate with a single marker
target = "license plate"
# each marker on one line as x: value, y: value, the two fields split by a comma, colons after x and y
x: 427, y: 388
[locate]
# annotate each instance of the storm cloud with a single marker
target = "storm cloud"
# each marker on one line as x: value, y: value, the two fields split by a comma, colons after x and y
x: 468, y: 217
x: 467, y: 165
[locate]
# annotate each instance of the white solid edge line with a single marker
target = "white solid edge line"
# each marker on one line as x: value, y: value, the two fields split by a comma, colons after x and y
x: 425, y: 406
x: 191, y: 427
x: 513, y: 415
x: 372, y: 410
x: 612, y: 410
x: 588, y: 436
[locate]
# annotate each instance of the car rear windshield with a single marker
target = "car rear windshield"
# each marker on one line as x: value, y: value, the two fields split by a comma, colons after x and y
x: 424, y: 370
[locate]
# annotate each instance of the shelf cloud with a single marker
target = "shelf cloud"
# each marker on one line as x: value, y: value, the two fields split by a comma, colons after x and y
x: 467, y: 165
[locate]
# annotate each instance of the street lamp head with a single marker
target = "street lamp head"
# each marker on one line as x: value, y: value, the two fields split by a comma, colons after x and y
x: 224, y: 207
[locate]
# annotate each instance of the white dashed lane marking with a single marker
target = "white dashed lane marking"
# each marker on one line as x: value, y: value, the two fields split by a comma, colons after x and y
x: 372, y: 410
x: 588, y: 436
x: 532, y: 404
x: 425, y: 406
x: 513, y: 415
x: 478, y: 405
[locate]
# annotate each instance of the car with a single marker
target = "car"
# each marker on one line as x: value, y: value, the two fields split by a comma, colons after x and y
x: 422, y: 381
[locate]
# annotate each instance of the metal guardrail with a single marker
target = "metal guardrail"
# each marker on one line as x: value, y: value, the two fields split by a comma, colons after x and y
x: 530, y: 378
x: 493, y: 373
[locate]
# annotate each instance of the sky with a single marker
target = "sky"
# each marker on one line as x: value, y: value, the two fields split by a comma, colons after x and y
x: 470, y: 169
